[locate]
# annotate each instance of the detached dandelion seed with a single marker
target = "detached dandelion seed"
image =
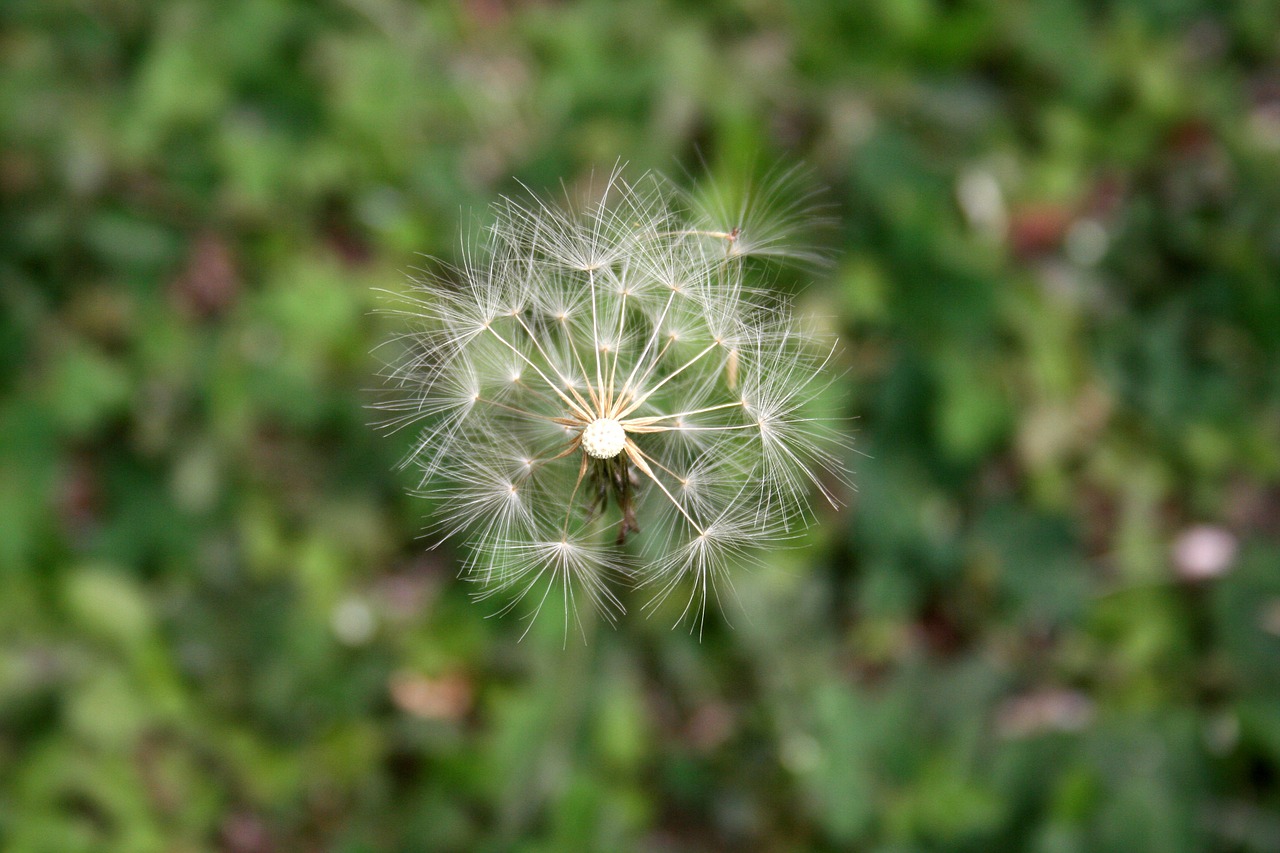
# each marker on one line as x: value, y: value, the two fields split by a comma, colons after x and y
x: 603, y: 398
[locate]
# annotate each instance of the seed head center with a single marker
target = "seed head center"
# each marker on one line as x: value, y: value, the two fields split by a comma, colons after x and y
x: 603, y: 438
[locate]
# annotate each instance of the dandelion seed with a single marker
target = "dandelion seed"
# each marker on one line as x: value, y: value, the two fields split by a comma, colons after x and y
x: 603, y: 397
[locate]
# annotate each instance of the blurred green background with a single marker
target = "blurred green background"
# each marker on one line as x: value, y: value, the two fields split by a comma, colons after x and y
x: 1049, y: 621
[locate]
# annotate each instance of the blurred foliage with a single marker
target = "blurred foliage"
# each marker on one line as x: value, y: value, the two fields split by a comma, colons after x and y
x: 1049, y: 622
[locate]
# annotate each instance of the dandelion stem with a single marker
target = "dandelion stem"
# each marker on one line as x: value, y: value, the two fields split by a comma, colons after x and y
x: 617, y: 349
x: 573, y: 445
x: 674, y: 475
x: 573, y: 347
x: 518, y: 411
x: 640, y: 423
x: 657, y: 330
x: 572, y: 405
x: 672, y: 375
x: 695, y: 428
x: 729, y: 236
x: 595, y: 334
x: 639, y: 458
x: 582, y: 472
x: 550, y: 363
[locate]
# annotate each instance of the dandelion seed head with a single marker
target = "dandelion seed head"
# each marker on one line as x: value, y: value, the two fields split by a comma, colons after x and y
x: 603, y: 438
x: 602, y: 395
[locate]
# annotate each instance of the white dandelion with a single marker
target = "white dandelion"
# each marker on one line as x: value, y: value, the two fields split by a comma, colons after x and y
x: 602, y: 397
